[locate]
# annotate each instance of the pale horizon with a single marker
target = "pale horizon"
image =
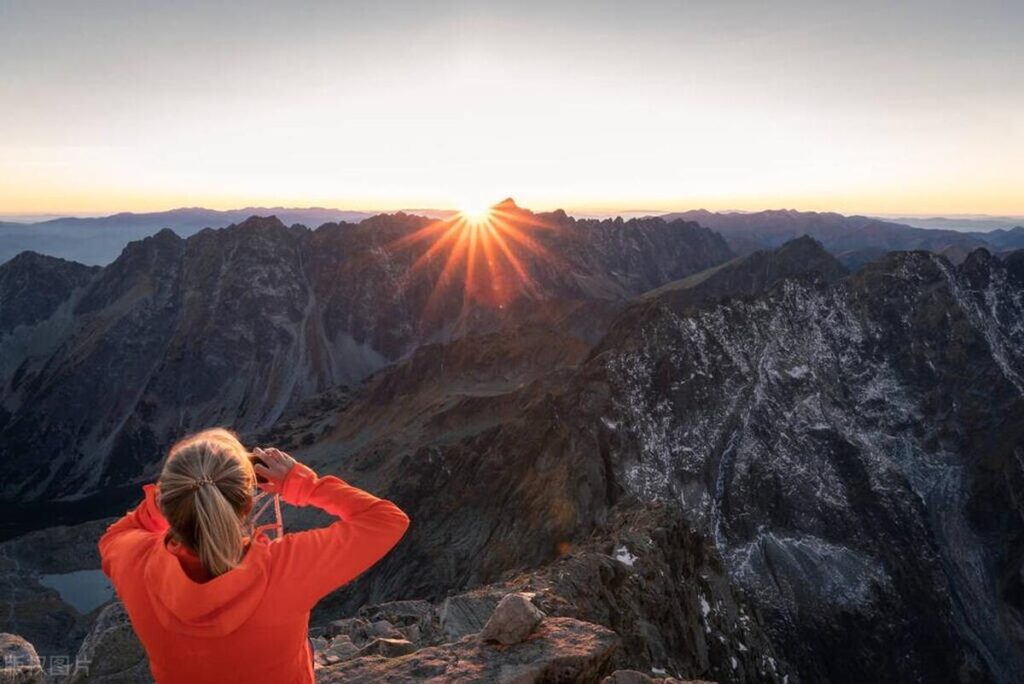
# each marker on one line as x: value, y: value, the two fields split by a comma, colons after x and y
x: 36, y: 217
x: 910, y: 110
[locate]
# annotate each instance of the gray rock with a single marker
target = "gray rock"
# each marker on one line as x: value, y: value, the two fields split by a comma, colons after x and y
x: 383, y: 628
x: 111, y: 652
x: 413, y: 634
x: 20, y: 661
x: 341, y: 647
x: 513, y: 620
x: 357, y: 629
x: 466, y: 614
x: 400, y: 613
x: 415, y: 620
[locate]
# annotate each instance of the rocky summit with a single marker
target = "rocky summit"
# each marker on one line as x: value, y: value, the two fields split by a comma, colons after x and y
x: 657, y: 461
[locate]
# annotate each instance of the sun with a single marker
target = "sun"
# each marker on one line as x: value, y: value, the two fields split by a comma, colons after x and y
x: 475, y: 212
x: 486, y: 253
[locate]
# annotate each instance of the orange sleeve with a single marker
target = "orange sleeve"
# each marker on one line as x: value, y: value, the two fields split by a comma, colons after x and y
x: 123, y: 536
x: 313, y: 563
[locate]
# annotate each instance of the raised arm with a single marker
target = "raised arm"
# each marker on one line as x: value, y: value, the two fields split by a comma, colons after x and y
x: 123, y: 537
x: 315, y: 562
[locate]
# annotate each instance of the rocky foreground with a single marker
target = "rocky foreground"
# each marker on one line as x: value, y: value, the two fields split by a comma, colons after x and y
x: 518, y: 644
x: 643, y: 600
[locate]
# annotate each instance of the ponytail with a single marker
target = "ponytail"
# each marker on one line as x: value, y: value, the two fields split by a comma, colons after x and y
x: 218, y: 531
x: 205, y: 491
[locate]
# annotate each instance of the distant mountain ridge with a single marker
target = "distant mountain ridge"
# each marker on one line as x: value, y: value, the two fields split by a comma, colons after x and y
x: 98, y: 240
x: 967, y: 224
x: 855, y: 240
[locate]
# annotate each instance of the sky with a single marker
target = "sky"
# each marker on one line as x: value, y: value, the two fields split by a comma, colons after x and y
x: 138, y: 105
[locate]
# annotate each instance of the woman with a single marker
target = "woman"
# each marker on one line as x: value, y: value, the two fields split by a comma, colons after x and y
x: 209, y: 602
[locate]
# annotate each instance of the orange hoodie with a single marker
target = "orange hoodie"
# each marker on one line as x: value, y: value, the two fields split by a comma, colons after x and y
x: 249, y: 624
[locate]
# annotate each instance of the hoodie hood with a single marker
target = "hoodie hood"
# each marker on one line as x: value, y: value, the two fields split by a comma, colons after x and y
x: 211, y: 608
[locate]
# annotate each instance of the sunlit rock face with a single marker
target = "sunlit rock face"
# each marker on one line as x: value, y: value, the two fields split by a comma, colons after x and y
x: 234, y: 326
x: 855, y: 453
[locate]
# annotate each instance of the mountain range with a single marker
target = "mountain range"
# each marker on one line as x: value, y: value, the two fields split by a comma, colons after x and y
x: 236, y: 325
x: 752, y: 462
x: 855, y: 240
x: 98, y: 240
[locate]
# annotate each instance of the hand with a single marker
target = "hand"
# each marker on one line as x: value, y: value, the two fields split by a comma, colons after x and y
x: 278, y: 464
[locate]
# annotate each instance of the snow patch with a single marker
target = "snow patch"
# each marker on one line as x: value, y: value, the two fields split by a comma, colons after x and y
x: 623, y: 555
x: 798, y: 372
x: 705, y: 607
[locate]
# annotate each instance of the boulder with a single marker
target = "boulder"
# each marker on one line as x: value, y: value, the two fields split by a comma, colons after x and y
x: 111, y: 652
x: 560, y: 650
x: 512, y: 621
x: 20, y: 664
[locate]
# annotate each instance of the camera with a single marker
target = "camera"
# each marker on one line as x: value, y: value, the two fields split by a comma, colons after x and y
x: 257, y: 460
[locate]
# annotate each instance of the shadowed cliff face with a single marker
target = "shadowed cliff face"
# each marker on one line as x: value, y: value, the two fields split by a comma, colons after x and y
x: 854, y: 452
x: 234, y: 326
x: 32, y: 286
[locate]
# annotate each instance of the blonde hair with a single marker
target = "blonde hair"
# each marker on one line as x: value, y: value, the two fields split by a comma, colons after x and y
x: 206, y: 489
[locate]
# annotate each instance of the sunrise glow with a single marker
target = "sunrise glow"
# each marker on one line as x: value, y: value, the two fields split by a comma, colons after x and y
x: 560, y: 105
x: 476, y: 214
x: 481, y: 250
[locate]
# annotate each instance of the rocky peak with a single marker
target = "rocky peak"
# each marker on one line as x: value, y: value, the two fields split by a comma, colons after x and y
x: 977, y: 267
x: 259, y: 223
x: 507, y: 204
x: 1014, y: 264
x: 165, y: 235
x: 144, y: 267
x: 747, y: 276
x: 33, y: 285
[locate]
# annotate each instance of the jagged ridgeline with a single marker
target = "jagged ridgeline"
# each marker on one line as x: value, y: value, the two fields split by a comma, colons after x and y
x: 102, y: 368
x: 755, y: 468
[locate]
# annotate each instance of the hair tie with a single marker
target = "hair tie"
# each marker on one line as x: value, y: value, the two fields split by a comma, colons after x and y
x: 196, y: 484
